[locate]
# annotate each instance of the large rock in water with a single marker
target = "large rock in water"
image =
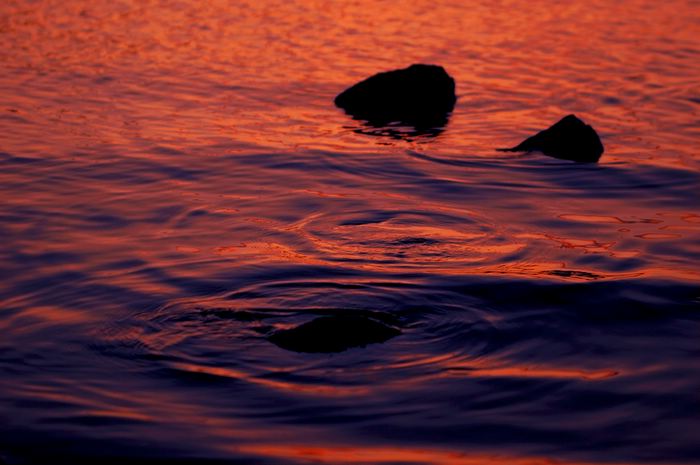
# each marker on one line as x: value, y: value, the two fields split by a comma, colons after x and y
x: 569, y: 139
x: 421, y: 96
x: 333, y: 334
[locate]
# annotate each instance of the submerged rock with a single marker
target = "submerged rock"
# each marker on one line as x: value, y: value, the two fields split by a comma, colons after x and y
x: 420, y: 96
x: 333, y: 334
x: 569, y: 139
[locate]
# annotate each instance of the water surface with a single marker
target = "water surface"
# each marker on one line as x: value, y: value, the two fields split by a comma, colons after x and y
x: 176, y: 185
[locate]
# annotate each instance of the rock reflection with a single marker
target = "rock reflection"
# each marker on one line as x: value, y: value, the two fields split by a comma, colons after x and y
x: 408, y: 133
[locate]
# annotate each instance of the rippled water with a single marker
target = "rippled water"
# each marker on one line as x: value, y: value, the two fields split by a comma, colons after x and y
x: 177, y: 185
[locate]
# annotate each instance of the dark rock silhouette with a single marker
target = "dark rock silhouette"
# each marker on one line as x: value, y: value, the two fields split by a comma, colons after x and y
x: 569, y: 139
x: 333, y: 334
x: 420, y: 97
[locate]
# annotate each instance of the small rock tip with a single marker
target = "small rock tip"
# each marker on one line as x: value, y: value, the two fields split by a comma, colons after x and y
x: 568, y: 139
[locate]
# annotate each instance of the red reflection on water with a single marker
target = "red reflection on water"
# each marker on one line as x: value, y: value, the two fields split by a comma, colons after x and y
x: 494, y: 367
x: 379, y: 455
x: 315, y: 389
x: 532, y: 371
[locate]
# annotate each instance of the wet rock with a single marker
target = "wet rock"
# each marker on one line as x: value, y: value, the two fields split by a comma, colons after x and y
x: 569, y: 139
x: 333, y: 334
x: 420, y: 96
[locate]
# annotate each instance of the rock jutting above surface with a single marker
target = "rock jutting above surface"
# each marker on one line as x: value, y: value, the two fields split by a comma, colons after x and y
x: 420, y: 96
x: 569, y: 139
x: 333, y: 334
